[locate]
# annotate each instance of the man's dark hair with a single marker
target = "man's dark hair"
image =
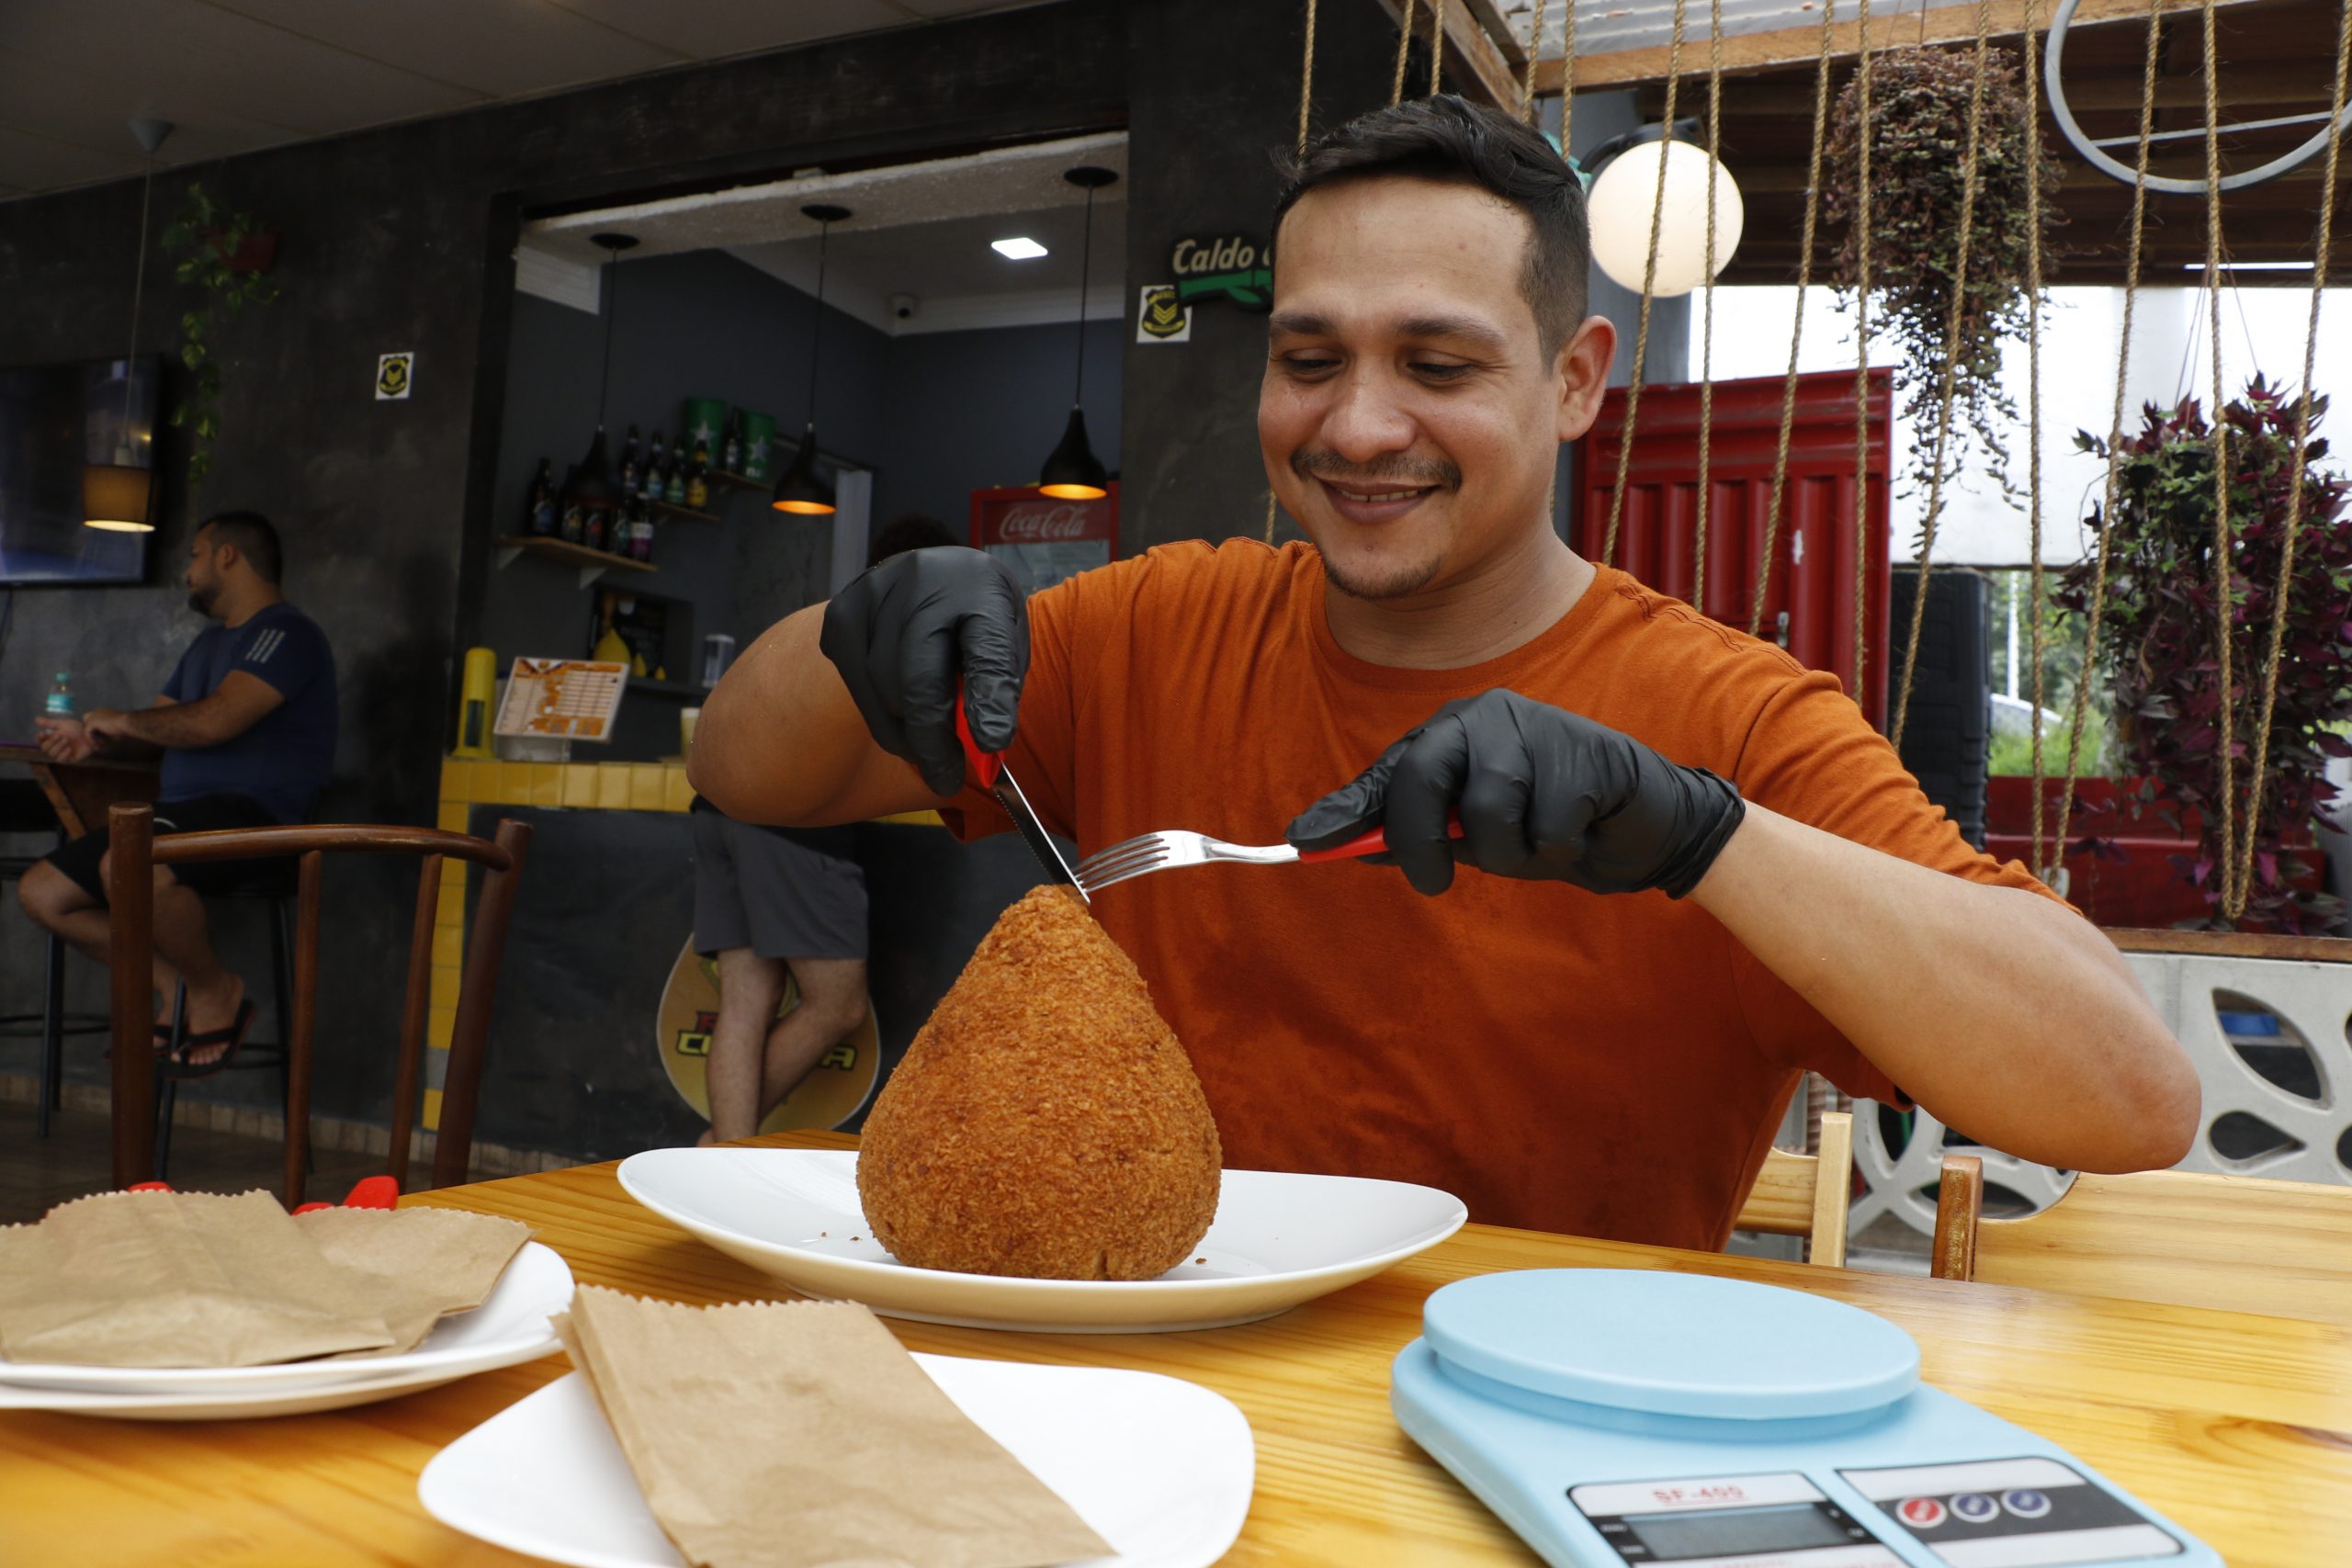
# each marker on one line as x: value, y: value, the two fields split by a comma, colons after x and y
x: 253, y: 538
x: 908, y: 531
x: 1450, y: 141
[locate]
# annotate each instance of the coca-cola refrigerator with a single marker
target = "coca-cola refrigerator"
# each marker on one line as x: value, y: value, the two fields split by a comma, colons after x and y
x: 1043, y: 539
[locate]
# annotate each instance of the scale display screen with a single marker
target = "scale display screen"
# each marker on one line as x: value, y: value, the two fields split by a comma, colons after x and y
x: 1721, y: 1531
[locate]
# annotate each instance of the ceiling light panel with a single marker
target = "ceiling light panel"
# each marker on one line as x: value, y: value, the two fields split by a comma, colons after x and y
x: 1019, y: 248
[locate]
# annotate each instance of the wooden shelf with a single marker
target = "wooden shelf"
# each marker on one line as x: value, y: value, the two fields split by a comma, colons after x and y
x: 671, y: 509
x: 741, y: 482
x: 590, y: 563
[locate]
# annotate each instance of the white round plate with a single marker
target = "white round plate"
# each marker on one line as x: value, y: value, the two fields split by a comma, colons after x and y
x: 511, y: 1326
x: 1279, y: 1239
x: 1161, y: 1468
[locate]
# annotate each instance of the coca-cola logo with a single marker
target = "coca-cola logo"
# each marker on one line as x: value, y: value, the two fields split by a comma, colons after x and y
x: 1039, y: 525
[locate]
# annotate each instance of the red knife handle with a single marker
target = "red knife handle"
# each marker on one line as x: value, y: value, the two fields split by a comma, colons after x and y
x: 1372, y: 843
x: 984, y: 764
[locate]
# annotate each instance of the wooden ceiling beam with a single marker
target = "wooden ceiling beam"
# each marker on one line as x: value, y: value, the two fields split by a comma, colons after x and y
x: 1470, y: 53
x: 1784, y: 47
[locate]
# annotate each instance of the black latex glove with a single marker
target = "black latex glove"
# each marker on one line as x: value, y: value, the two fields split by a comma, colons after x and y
x: 1543, y: 794
x: 907, y: 631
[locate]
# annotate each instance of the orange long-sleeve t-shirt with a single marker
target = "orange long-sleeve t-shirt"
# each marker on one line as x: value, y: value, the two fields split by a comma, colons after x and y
x: 1605, y: 1066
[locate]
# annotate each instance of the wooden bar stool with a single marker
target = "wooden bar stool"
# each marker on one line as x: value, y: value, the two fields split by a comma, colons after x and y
x: 136, y: 852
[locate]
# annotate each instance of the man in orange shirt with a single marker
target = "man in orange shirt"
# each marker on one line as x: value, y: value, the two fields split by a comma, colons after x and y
x: 1696, y: 871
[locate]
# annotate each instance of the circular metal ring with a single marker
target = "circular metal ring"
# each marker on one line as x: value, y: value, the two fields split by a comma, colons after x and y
x: 2053, y: 49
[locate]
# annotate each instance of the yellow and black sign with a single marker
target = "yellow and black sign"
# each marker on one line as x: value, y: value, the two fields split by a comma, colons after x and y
x: 395, y: 373
x: 1161, y: 316
x: 836, y: 1087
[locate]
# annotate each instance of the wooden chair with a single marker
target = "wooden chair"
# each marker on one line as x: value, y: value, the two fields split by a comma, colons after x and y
x: 2242, y: 1243
x: 1806, y: 1195
x: 131, y: 896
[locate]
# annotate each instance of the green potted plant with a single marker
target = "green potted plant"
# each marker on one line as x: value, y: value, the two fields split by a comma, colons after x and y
x: 226, y: 254
x: 2159, y: 650
x: 1919, y: 139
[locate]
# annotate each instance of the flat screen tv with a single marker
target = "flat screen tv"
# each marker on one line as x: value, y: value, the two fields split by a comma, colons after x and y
x: 54, y: 419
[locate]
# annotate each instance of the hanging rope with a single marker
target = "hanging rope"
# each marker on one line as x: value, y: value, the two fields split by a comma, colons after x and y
x: 1707, y: 305
x: 2115, y: 427
x: 1526, y: 110
x: 2320, y: 258
x: 1306, y: 98
x: 2232, y: 891
x: 1797, y: 330
x: 2033, y: 406
x: 1437, y: 48
x: 1404, y: 50
x: 1649, y: 285
x: 1971, y: 176
x: 1862, y: 355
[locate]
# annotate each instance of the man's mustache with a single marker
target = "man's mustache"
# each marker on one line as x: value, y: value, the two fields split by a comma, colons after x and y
x: 1404, y: 473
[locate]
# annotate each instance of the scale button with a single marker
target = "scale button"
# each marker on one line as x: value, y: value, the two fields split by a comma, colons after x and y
x: 1974, y: 1507
x: 2025, y: 1503
x: 1922, y: 1512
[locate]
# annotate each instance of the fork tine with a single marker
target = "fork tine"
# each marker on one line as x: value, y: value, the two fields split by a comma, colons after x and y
x: 1147, y: 845
x: 1095, y: 884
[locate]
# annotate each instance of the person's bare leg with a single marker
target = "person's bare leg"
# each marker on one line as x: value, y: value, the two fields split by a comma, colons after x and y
x: 214, y: 991
x: 832, y: 1004
x: 749, y: 987
x: 57, y: 903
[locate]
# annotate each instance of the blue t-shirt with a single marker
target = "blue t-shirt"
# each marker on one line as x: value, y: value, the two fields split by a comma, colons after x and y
x: 285, y: 759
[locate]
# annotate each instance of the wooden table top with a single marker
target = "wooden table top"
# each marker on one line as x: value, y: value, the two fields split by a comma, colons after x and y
x: 2238, y: 1426
x: 80, y: 791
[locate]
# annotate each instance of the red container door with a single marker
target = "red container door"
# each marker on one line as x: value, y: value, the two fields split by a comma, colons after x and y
x: 1813, y: 581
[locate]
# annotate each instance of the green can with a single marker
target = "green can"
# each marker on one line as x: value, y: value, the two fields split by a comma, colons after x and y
x: 704, y: 419
x: 759, y: 443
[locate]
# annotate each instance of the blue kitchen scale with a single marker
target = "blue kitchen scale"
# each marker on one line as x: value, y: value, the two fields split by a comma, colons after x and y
x: 1616, y: 1418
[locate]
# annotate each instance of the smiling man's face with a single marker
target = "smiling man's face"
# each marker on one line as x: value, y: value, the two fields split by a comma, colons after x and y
x: 1410, y: 416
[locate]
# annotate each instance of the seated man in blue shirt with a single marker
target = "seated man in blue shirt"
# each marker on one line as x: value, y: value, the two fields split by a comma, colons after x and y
x: 246, y: 727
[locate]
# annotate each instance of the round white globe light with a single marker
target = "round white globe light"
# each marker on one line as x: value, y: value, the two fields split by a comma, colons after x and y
x: 1619, y: 206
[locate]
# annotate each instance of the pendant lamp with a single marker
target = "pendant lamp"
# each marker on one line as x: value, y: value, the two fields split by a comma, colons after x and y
x: 120, y: 496
x: 591, y: 480
x: 1624, y: 192
x: 800, y: 488
x: 1072, y: 471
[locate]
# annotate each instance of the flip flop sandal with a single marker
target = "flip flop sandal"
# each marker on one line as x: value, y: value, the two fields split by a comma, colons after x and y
x: 234, y: 1037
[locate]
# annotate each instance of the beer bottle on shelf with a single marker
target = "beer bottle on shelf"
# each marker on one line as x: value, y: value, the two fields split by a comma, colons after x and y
x: 674, y: 490
x: 571, y: 519
x: 649, y: 472
x: 730, y: 456
x: 699, y: 478
x: 640, y: 530
x: 538, y: 511
x: 597, y: 527
x: 629, y: 462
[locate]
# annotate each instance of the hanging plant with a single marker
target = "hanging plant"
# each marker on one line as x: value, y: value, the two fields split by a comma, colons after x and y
x: 2158, y: 651
x: 1919, y: 145
x: 225, y: 254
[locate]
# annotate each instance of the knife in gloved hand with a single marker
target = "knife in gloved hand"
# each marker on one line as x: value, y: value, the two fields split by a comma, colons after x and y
x: 988, y: 769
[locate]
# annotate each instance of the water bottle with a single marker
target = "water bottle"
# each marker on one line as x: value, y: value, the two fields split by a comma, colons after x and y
x: 59, y: 702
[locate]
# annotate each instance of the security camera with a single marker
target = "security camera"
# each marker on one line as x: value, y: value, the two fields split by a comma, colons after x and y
x: 902, y: 306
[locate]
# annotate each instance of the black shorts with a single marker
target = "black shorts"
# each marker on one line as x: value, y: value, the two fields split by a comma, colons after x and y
x: 78, y: 858
x: 773, y: 891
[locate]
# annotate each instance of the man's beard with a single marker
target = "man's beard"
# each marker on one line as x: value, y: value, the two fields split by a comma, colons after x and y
x: 1396, y: 582
x: 1312, y: 464
x: 200, y: 600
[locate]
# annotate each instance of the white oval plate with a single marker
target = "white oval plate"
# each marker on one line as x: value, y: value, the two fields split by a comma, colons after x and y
x: 510, y: 1327
x: 1279, y: 1239
x: 1161, y: 1468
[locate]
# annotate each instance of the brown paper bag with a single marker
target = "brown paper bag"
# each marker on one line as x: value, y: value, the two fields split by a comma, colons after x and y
x: 414, y: 1266
x: 175, y: 1279
x: 788, y: 1435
